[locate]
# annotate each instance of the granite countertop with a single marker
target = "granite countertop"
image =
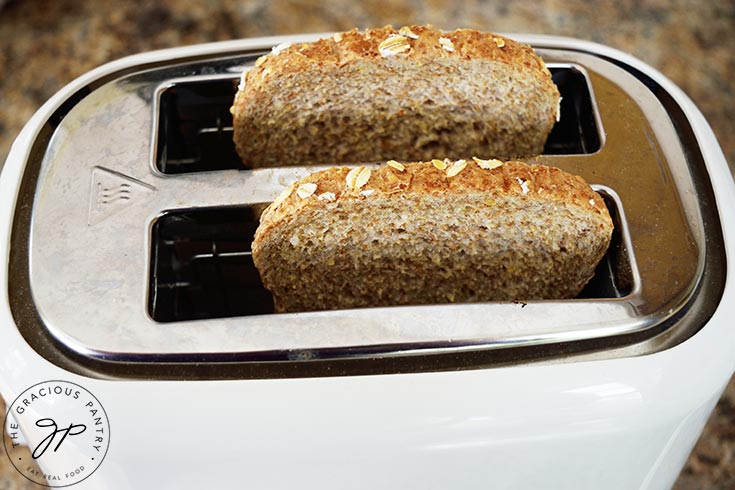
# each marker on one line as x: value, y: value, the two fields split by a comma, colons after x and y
x: 44, y: 45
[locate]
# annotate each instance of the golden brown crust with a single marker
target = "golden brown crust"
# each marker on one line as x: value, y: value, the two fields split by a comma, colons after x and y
x: 508, y: 179
x: 347, y: 47
x: 379, y: 94
x: 430, y: 232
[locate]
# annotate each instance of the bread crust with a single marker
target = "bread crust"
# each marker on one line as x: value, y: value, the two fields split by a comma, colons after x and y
x: 420, y: 232
x: 348, y: 99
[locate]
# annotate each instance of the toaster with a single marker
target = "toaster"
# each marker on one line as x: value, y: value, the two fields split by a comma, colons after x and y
x: 139, y: 349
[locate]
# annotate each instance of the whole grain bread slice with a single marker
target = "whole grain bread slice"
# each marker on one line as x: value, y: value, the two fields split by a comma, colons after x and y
x: 430, y: 232
x: 414, y: 93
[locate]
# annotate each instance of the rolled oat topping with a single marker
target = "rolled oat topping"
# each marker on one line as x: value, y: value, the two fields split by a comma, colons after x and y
x: 523, y: 184
x: 326, y: 196
x: 447, y: 44
x: 280, y: 47
x: 306, y: 190
x: 358, y: 177
x: 487, y: 164
x: 407, y: 32
x: 393, y: 45
x: 396, y: 165
x: 456, y: 168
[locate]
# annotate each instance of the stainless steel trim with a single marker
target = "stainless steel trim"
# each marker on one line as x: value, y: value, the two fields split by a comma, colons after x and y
x: 89, y: 280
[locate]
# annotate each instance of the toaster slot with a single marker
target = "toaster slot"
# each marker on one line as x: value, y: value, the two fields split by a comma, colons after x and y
x: 195, y: 127
x: 194, y: 132
x: 201, y: 265
x: 577, y: 131
x: 614, y: 276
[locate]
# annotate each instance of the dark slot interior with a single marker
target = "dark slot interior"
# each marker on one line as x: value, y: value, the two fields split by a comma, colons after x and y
x: 195, y: 127
x: 201, y: 265
x: 195, y: 124
x: 613, y: 276
x: 576, y: 133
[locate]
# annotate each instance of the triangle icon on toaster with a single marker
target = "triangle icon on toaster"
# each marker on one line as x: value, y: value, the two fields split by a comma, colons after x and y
x: 112, y: 192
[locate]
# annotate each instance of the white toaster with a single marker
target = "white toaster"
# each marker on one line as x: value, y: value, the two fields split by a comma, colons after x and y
x: 138, y: 348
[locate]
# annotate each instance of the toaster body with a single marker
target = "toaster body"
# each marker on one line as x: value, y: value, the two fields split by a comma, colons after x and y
x: 127, y: 279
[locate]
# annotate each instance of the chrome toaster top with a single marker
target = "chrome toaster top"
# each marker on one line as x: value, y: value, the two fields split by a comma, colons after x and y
x: 130, y: 245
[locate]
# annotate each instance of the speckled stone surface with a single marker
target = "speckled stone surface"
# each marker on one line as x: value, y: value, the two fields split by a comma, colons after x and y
x: 45, y: 44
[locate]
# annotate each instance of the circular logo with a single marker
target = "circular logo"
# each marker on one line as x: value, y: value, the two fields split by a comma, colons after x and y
x: 64, y: 428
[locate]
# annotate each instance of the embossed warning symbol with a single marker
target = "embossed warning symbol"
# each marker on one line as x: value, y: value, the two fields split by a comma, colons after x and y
x: 112, y: 192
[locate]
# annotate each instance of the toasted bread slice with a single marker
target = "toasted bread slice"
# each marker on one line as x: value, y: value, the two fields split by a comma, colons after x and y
x: 410, y: 94
x: 430, y: 232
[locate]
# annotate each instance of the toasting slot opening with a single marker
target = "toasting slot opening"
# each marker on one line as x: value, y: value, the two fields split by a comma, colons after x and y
x: 201, y: 265
x: 195, y: 125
